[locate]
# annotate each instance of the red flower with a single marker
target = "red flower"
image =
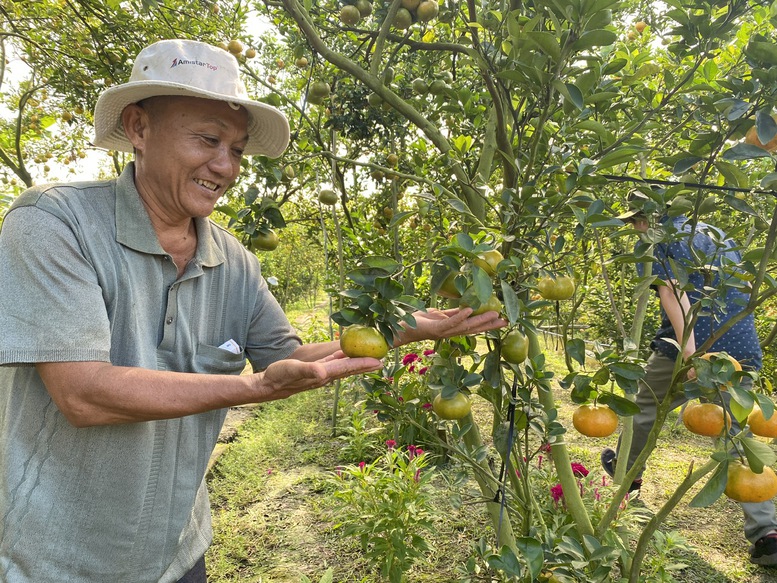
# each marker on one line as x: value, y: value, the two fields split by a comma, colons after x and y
x: 409, y: 358
x: 579, y: 470
x: 556, y: 492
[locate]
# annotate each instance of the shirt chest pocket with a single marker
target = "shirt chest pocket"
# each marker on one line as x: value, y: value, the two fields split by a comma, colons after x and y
x: 214, y: 360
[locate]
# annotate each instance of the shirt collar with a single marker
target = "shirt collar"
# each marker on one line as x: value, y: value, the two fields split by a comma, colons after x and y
x: 134, y: 228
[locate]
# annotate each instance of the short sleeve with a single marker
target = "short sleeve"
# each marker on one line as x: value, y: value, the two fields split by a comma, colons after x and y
x: 51, y: 306
x: 271, y: 336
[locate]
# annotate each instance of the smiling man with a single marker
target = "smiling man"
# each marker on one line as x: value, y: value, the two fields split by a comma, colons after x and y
x: 127, y: 317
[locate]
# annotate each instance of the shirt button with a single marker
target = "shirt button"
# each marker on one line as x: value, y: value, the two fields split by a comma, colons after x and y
x: 169, y: 320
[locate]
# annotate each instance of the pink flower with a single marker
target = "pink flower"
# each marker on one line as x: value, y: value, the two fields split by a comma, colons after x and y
x: 411, y: 368
x: 579, y: 470
x: 410, y: 357
x: 423, y: 370
x: 539, y: 461
x: 428, y: 352
x: 556, y: 492
x: 362, y: 465
x: 417, y: 475
x: 391, y: 444
x: 426, y: 406
x: 545, y: 447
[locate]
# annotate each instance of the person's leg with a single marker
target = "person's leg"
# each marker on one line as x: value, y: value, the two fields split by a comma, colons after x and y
x: 196, y: 574
x: 652, y: 390
x: 760, y: 517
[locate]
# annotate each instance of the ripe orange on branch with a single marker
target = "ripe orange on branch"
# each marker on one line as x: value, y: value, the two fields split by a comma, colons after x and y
x: 744, y: 485
x: 759, y: 425
x: 751, y: 137
x: 595, y: 420
x: 705, y: 418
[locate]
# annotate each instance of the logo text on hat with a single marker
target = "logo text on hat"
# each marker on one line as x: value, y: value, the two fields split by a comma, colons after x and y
x: 177, y: 62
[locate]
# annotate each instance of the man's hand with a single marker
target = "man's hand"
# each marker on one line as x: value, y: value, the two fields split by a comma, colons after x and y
x: 289, y: 377
x: 436, y: 324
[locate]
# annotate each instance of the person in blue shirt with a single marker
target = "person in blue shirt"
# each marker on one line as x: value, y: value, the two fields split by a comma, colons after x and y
x: 702, y: 252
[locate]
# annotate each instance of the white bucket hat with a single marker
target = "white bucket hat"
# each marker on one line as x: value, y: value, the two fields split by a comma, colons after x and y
x: 191, y: 68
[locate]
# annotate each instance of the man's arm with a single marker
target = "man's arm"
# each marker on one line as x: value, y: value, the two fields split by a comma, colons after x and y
x: 99, y: 393
x: 677, y: 306
x: 430, y: 325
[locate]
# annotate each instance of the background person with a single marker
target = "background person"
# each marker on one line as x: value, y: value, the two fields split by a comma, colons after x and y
x: 127, y: 317
x: 694, y: 244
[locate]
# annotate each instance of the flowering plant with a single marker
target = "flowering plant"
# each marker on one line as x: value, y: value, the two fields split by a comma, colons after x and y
x: 401, y: 397
x: 387, y: 505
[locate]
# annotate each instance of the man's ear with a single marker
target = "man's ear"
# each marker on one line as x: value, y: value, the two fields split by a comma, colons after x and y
x: 135, y: 121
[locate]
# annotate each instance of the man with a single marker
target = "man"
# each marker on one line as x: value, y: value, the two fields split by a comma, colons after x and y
x: 690, y: 246
x: 127, y: 317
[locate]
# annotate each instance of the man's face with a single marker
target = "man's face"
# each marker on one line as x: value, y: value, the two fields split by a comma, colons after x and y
x: 638, y: 223
x: 188, y: 153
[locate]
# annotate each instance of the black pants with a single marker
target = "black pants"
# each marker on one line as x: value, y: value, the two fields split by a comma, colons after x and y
x: 197, y: 574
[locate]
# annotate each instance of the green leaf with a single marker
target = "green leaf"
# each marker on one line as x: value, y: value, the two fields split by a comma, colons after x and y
x: 597, y: 128
x: 511, y: 302
x: 766, y: 404
x: 744, y: 151
x: 732, y: 174
x: 576, y: 350
x: 713, y: 488
x: 762, y: 52
x: 532, y: 552
x: 682, y: 166
x: 594, y: 38
x: 758, y: 453
x: 769, y: 181
x: 621, y: 405
x: 570, y: 92
x: 547, y: 43
x: 646, y: 70
x: 614, y: 66
x: 619, y: 155
x: 507, y: 562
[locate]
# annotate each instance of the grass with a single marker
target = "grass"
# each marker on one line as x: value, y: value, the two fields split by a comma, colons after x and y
x: 271, y: 501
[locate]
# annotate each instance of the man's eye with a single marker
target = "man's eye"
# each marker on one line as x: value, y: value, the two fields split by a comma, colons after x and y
x: 210, y: 140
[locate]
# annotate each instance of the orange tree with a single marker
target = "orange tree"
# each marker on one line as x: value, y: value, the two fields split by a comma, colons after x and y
x: 522, y: 126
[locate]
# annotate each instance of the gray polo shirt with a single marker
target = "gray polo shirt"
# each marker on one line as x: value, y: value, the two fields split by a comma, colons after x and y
x: 83, y: 278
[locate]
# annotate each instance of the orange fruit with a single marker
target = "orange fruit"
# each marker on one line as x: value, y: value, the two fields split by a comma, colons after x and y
x: 760, y: 425
x: 713, y: 356
x: 457, y: 407
x: 561, y: 287
x: 595, y: 420
x: 357, y: 340
x: 705, y: 418
x: 751, y: 137
x: 488, y: 261
x: 448, y: 287
x: 744, y: 485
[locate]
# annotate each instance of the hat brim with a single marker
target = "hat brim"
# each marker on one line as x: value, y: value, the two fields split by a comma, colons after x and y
x: 629, y: 215
x: 268, y: 128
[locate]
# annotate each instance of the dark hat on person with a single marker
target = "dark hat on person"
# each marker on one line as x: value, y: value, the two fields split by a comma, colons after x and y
x: 195, y: 69
x: 634, y: 206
